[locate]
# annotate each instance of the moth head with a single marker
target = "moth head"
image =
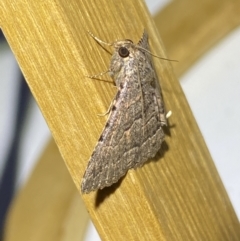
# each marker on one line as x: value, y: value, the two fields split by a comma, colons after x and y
x: 122, y: 54
x: 123, y: 48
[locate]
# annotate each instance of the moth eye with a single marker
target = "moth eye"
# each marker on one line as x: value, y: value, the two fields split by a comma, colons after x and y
x: 123, y: 52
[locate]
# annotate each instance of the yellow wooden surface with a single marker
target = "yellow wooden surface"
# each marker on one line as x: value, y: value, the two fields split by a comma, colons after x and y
x: 180, y: 196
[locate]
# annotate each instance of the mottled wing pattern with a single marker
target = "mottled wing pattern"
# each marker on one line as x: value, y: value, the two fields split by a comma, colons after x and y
x: 129, y: 139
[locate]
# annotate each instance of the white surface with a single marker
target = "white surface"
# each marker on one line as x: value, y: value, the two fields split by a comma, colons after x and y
x: 35, y: 131
x: 91, y: 234
x: 8, y: 97
x: 155, y: 5
x: 212, y: 87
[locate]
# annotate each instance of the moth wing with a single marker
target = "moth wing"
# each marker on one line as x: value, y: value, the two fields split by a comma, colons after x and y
x: 143, y: 42
x: 126, y: 142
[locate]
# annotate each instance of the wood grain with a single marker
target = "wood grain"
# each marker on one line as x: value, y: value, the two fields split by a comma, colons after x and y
x: 178, y: 197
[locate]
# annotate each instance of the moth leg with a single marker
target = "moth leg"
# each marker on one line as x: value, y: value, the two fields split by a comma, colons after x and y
x: 97, y: 75
x: 108, y: 111
x: 110, y: 107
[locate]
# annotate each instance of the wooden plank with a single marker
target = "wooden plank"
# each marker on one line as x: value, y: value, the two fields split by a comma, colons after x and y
x: 180, y: 196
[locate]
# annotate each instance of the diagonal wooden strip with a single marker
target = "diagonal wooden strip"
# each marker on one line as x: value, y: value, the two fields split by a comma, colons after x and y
x: 179, y: 197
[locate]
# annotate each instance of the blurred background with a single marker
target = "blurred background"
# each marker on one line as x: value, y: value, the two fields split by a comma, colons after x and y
x: 211, y: 85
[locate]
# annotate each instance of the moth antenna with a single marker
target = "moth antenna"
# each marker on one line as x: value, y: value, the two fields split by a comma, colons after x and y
x: 99, y: 40
x: 172, y: 60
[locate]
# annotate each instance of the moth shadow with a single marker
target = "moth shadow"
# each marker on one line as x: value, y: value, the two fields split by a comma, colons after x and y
x: 102, y: 194
x: 102, y: 80
x: 167, y: 129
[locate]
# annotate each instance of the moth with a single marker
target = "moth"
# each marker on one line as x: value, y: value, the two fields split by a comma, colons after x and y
x: 133, y: 132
